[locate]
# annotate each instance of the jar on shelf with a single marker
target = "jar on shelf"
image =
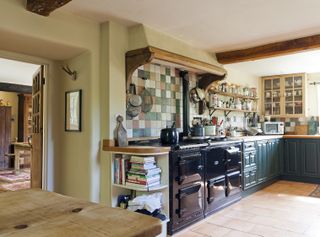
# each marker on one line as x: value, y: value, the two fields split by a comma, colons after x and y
x: 253, y: 92
x: 246, y: 91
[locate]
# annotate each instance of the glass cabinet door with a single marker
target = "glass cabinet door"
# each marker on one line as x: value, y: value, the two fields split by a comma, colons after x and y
x: 272, y: 96
x: 293, y: 95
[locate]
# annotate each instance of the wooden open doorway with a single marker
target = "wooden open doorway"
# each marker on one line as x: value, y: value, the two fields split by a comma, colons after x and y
x: 37, y: 128
x: 21, y: 121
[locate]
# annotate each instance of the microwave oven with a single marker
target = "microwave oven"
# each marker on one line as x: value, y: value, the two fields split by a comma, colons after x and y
x: 273, y: 128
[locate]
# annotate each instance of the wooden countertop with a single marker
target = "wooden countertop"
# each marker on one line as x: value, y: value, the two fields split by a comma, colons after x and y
x: 33, y: 212
x: 302, y: 136
x: 142, y: 150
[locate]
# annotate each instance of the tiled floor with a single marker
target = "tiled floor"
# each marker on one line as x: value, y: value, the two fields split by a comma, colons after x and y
x: 12, y: 181
x: 280, y: 210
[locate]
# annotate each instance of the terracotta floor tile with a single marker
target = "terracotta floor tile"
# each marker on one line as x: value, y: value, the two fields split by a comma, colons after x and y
x: 235, y: 233
x: 283, y: 209
x: 211, y: 230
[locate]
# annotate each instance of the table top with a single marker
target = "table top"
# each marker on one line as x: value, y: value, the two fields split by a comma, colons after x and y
x: 34, y: 212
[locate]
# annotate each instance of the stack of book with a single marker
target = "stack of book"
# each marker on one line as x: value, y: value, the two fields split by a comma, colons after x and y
x: 144, y: 172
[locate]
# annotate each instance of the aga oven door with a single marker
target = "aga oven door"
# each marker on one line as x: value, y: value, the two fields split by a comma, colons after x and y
x: 216, y: 189
x: 233, y: 158
x: 233, y: 184
x: 189, y: 167
x: 190, y: 200
x: 215, y: 162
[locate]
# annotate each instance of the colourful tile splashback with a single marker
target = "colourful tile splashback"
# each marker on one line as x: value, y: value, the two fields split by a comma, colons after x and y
x: 290, y: 123
x: 165, y: 87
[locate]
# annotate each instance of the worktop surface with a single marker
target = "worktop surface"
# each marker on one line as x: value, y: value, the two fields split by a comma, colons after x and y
x: 33, y: 212
x: 158, y: 149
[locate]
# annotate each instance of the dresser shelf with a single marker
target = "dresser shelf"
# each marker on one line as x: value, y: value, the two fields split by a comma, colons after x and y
x: 227, y: 111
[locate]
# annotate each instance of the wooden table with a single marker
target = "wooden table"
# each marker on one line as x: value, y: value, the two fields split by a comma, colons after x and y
x: 34, y: 212
x: 21, y: 150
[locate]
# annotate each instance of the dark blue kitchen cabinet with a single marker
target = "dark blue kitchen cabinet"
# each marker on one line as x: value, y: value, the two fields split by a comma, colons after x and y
x: 268, y: 163
x: 310, y: 157
x: 262, y: 161
x: 273, y: 157
x: 292, y: 157
x: 302, y: 160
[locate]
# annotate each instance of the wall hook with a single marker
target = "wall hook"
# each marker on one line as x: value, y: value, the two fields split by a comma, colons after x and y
x: 71, y: 73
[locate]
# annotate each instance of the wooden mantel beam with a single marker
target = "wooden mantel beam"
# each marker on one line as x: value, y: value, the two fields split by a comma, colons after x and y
x: 45, y: 7
x: 270, y: 50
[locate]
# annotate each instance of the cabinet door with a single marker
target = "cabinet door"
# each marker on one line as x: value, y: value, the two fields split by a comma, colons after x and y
x: 272, y: 96
x: 291, y: 157
x: 294, y: 95
x: 273, y: 156
x: 309, y: 149
x: 262, y: 164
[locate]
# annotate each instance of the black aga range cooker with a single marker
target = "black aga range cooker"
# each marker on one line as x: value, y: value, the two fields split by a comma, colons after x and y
x: 205, y: 176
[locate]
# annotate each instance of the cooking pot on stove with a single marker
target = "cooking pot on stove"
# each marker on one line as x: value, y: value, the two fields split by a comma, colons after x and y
x: 197, y: 131
x: 169, y: 136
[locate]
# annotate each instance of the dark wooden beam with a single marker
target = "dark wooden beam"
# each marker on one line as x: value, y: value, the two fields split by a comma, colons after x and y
x: 270, y: 50
x: 15, y: 88
x: 45, y: 7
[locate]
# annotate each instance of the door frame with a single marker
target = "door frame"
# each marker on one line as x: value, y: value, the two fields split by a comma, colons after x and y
x: 46, y: 62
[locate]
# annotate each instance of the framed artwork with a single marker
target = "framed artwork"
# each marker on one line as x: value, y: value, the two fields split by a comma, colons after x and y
x: 73, y: 111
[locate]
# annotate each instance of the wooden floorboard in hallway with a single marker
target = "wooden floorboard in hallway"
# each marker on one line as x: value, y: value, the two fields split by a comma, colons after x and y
x: 283, y: 209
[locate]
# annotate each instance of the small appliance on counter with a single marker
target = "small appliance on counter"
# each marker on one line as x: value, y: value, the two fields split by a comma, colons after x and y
x: 273, y: 128
x: 169, y: 136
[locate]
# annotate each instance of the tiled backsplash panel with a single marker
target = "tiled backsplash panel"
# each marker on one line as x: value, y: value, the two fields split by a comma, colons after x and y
x: 290, y: 123
x: 165, y: 87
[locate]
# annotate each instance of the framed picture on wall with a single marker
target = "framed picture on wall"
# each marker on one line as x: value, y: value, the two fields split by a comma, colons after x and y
x: 73, y: 111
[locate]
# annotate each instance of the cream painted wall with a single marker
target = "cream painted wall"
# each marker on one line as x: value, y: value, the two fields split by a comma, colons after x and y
x: 141, y: 36
x: 239, y: 77
x: 114, y: 45
x: 312, y: 97
x: 12, y: 99
x: 72, y: 164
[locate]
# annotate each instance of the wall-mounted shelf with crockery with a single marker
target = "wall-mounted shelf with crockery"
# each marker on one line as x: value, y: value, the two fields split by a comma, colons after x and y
x: 233, y: 95
x: 227, y: 111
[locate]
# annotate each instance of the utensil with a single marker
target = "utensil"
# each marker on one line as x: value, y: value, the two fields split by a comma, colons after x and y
x: 196, y: 94
x: 134, y: 99
x: 134, y: 102
x: 202, y: 106
x: 147, y: 101
x: 133, y: 111
x: 169, y: 136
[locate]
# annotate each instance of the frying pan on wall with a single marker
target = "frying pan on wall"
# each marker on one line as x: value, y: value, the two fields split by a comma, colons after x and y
x: 134, y: 102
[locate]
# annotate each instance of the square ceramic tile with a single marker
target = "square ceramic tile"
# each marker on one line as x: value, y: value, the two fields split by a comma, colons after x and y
x: 168, y: 79
x: 129, y: 133
x: 158, y: 92
x: 168, y: 94
x: 142, y: 124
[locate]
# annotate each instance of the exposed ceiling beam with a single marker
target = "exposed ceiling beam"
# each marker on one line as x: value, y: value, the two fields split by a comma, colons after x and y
x: 269, y: 50
x: 45, y: 7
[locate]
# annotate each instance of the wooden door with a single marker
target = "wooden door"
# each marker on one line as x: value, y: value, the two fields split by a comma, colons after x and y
x: 5, y: 135
x: 37, y: 128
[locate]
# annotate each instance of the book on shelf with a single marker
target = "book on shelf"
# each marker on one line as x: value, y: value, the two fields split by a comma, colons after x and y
x: 142, y: 159
x: 146, y: 166
x: 143, y: 179
x: 148, y: 172
x: 120, y: 169
x: 137, y: 185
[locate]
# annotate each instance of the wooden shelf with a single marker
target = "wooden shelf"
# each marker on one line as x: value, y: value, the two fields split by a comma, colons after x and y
x: 233, y: 95
x: 207, y: 72
x: 227, y: 111
x: 155, y: 188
